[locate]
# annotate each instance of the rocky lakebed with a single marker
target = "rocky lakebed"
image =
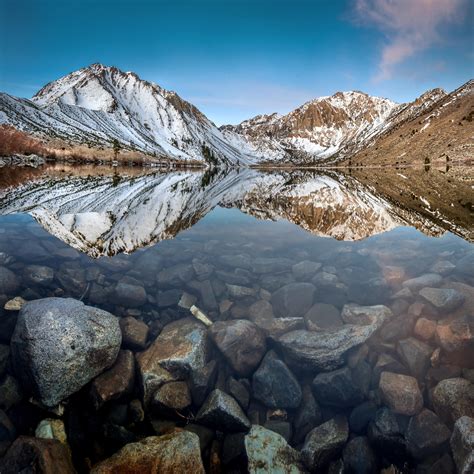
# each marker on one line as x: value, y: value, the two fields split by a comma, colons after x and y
x: 238, y: 346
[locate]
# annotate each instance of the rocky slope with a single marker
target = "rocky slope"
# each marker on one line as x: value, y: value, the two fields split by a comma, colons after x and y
x: 368, y: 130
x: 316, y: 130
x: 98, y: 104
x: 437, y: 127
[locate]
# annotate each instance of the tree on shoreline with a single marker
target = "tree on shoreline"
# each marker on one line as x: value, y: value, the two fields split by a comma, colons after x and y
x: 116, y: 146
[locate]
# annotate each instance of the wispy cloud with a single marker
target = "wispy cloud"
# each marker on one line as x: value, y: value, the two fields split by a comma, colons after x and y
x: 410, y: 26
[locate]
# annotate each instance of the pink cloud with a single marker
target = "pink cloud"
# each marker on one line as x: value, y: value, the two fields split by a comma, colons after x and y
x: 410, y: 26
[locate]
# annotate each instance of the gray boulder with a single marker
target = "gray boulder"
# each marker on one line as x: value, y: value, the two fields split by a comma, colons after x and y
x: 222, y: 412
x: 38, y: 275
x: 9, y: 283
x: 426, y: 435
x: 428, y: 279
x: 293, y: 300
x: 274, y: 384
x: 241, y: 342
x: 59, y: 345
x: 324, y: 443
x: 324, y: 350
x: 462, y: 444
x: 180, y: 350
x: 453, y: 398
x: 444, y: 299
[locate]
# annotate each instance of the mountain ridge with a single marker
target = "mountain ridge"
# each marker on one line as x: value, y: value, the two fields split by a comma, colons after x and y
x: 97, y: 105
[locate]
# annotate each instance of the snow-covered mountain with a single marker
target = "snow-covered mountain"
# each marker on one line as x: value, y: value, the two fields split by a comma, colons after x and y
x: 98, y: 104
x: 316, y: 130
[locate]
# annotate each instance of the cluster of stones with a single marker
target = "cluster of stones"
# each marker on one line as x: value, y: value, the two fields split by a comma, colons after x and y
x: 299, y: 357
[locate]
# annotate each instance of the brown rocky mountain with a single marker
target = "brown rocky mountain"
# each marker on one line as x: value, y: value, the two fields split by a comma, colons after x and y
x: 436, y: 128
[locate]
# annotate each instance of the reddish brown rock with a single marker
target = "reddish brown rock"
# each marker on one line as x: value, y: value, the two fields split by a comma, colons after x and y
x: 134, y: 333
x: 241, y: 342
x: 425, y: 329
x: 36, y: 455
x: 116, y: 381
x: 401, y: 393
x: 176, y: 452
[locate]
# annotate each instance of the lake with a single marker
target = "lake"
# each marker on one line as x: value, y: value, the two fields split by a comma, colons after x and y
x: 338, y: 310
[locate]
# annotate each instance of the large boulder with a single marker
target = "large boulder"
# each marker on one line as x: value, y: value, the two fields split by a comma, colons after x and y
x: 293, y: 300
x: 462, y: 444
x: 323, y: 350
x: 222, y: 412
x: 324, y: 443
x: 453, y: 398
x: 35, y: 455
x: 269, y: 452
x: 401, y: 393
x: 59, y: 345
x: 242, y: 343
x: 174, y: 452
x: 178, y: 352
x: 307, y: 417
x: 274, y: 384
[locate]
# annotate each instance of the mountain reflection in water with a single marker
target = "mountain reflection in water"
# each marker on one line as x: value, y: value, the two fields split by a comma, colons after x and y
x: 100, y: 211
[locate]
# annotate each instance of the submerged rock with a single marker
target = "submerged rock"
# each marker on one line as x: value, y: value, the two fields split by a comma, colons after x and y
x: 359, y: 457
x: 241, y: 342
x: 222, y: 412
x: 274, y: 384
x: 337, y: 388
x: 426, y: 435
x: 129, y: 293
x: 322, y: 316
x: 293, y: 300
x: 171, y: 453
x: 428, y: 279
x: 9, y: 282
x: 116, y: 381
x: 134, y: 333
x: 415, y: 355
x: 401, y: 393
x: 307, y: 417
x: 456, y: 338
x: 453, y: 398
x: 364, y: 315
x: 38, y: 275
x: 61, y: 344
x: 180, y: 350
x: 462, y: 444
x: 324, y: 350
x: 324, y: 443
x: 444, y: 299
x: 36, y: 455
x: 268, y: 452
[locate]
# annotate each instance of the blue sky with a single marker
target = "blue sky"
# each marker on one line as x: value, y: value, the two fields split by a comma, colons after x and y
x: 237, y: 58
